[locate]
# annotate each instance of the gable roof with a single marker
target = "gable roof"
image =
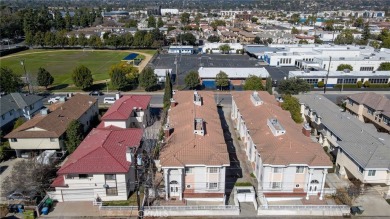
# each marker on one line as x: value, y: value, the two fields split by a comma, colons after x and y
x: 15, y: 101
x: 103, y: 151
x: 375, y: 101
x: 362, y: 142
x: 290, y: 148
x: 122, y: 108
x: 55, y: 123
x: 186, y: 148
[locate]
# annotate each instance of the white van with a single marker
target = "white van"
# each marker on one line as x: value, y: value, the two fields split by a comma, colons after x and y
x: 109, y: 100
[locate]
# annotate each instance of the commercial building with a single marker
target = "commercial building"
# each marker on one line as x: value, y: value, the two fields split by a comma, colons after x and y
x: 181, y: 50
x: 214, y: 47
x: 285, y: 161
x: 361, y: 152
x: 195, y: 157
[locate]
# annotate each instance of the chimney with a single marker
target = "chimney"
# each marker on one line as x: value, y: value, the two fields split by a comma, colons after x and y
x: 173, y: 102
x: 167, y: 130
x: 117, y: 96
x: 306, y: 129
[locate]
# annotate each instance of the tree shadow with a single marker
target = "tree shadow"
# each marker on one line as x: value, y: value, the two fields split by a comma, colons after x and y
x: 58, y: 87
x: 98, y: 87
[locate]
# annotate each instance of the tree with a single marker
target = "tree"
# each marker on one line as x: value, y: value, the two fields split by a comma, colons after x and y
x: 384, y: 66
x: 61, y: 39
x: 268, y: 85
x: 217, y: 23
x: 185, y: 18
x: 345, y: 37
x: 224, y: 48
x: 160, y: 22
x: 82, y: 77
x: 59, y: 21
x: 341, y: 67
x: 50, y: 39
x: 82, y: 40
x: 44, y: 78
x: 291, y: 104
x: 9, y: 82
x: 213, y: 39
x: 129, y: 71
x: 295, y: 18
x: 303, y: 42
x: 221, y: 79
x: 187, y: 39
x: 293, y: 86
x: 257, y: 40
x: 366, y: 33
x: 386, y: 43
x: 192, y: 79
x: 139, y: 38
x: 68, y: 21
x: 19, y: 122
x: 118, y: 78
x: 39, y: 39
x: 151, y: 21
x: 148, y: 79
x: 131, y: 23
x: 294, y: 31
x: 72, y: 40
x: 253, y: 82
x: 254, y: 19
x: 74, y: 135
x: 167, y: 90
x: 29, y: 38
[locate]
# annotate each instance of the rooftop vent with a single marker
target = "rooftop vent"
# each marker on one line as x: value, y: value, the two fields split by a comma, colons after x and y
x: 44, y: 111
x: 199, y: 127
x: 255, y: 98
x: 197, y: 99
x: 276, y: 128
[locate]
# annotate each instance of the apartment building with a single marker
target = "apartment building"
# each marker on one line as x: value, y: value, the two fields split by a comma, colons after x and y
x: 195, y: 157
x: 361, y: 152
x: 46, y: 131
x: 372, y: 108
x: 286, y: 162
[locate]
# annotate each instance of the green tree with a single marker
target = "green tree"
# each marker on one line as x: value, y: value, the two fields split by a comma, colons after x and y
x: 19, y: 122
x: 293, y: 86
x: 386, y: 43
x: 257, y: 40
x: 185, y: 18
x: 72, y: 40
x: 224, y: 48
x: 213, y: 39
x: 217, y: 23
x: 59, y: 21
x: 253, y: 82
x: 254, y: 19
x: 268, y: 85
x: 50, y: 39
x: 221, y: 80
x: 139, y: 38
x: 345, y: 37
x: 61, y: 39
x: 303, y: 42
x: 68, y: 21
x: 291, y: 104
x: 187, y: 39
x: 294, y: 31
x: 295, y: 18
x: 29, y: 39
x: 192, y: 79
x: 366, y: 33
x: 148, y: 79
x: 39, y: 39
x: 128, y: 39
x: 151, y: 21
x: 9, y: 82
x: 160, y: 22
x: 82, y: 77
x: 384, y: 66
x: 131, y: 23
x: 341, y: 67
x: 74, y: 135
x: 118, y: 78
x: 44, y: 78
x: 167, y: 90
x: 82, y: 40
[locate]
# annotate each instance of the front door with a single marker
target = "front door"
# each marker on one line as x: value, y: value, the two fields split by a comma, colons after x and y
x: 174, y: 188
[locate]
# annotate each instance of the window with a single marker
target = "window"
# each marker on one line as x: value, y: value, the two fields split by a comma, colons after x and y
x: 378, y: 80
x: 360, y: 169
x: 300, y: 169
x: 213, y: 170
x: 371, y: 172
x: 112, y: 191
x: 370, y: 111
x: 69, y: 176
x: 278, y: 170
x: 346, y: 81
x: 14, y: 140
x: 276, y: 185
x: 366, y: 68
x: 110, y: 176
x: 188, y: 186
x: 31, y: 107
x: 312, y: 81
x: 53, y: 139
x: 83, y: 176
x: 189, y: 170
x: 212, y: 185
x: 297, y: 186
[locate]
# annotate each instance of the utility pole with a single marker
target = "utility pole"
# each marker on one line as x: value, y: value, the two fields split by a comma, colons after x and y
x: 25, y: 73
x: 177, y: 73
x: 327, y: 74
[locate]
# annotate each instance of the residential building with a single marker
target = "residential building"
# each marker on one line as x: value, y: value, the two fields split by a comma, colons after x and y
x: 129, y: 111
x: 46, y: 131
x: 102, y: 166
x: 246, y: 37
x: 236, y: 76
x: 172, y: 11
x: 195, y: 157
x: 228, y: 37
x: 371, y: 107
x: 286, y: 163
x: 361, y: 152
x: 17, y: 105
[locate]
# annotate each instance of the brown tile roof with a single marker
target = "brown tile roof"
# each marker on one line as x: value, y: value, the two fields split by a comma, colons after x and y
x: 290, y: 148
x: 375, y: 101
x: 186, y: 148
x: 55, y: 123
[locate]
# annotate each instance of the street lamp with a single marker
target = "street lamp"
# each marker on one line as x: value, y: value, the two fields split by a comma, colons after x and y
x: 25, y: 73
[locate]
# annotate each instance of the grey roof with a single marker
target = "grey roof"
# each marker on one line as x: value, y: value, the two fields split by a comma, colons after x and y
x: 17, y: 101
x: 261, y: 49
x: 369, y: 148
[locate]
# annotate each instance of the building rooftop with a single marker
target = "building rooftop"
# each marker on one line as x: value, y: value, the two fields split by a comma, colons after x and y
x: 205, y: 72
x: 292, y: 147
x: 375, y: 101
x: 185, y: 147
x: 362, y: 142
x: 17, y: 101
x: 351, y: 74
x: 122, y: 108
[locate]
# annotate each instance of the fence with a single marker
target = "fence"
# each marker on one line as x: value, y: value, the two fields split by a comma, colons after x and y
x: 309, y: 210
x: 192, y: 208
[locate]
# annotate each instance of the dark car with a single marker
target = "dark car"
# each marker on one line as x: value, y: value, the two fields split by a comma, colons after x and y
x: 96, y: 93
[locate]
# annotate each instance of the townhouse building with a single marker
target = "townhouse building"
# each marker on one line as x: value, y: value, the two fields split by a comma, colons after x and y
x: 46, y: 131
x: 286, y: 163
x: 360, y: 151
x: 371, y: 108
x: 195, y: 157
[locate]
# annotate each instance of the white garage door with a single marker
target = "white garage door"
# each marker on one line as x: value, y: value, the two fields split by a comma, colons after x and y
x: 78, y: 195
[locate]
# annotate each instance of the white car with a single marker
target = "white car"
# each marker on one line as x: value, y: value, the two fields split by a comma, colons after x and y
x: 54, y: 100
x: 109, y: 100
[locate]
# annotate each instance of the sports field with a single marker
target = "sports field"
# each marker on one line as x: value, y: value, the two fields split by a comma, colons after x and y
x: 60, y: 63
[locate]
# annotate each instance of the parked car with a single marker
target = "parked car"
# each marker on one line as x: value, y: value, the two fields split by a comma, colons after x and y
x: 23, y: 195
x: 109, y: 100
x: 96, y: 93
x: 54, y: 100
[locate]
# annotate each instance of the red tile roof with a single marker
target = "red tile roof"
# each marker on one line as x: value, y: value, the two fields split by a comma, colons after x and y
x: 59, y: 182
x: 122, y: 108
x: 102, y: 151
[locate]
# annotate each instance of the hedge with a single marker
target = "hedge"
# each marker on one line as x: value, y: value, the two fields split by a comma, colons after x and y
x: 243, y: 184
x: 380, y: 85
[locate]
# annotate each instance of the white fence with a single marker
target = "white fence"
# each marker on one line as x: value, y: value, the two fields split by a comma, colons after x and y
x: 313, y: 210
x: 196, y: 210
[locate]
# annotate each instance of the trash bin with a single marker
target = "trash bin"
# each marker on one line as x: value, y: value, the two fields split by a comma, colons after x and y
x: 45, y: 210
x: 20, y: 208
x: 12, y: 208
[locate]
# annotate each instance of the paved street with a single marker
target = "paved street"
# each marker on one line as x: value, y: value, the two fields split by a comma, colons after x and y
x: 5, y: 170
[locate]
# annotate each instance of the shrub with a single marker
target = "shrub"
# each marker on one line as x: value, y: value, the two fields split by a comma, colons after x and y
x: 367, y: 84
x: 243, y: 184
x: 380, y: 85
x: 359, y: 84
x: 253, y: 175
x: 320, y: 84
x: 326, y: 149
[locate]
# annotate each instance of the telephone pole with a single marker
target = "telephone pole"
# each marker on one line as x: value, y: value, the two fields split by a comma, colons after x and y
x: 327, y: 74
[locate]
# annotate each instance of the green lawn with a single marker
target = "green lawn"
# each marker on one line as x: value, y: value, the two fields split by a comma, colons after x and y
x: 60, y: 63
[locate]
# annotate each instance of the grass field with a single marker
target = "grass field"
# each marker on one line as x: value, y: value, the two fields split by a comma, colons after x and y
x: 60, y: 63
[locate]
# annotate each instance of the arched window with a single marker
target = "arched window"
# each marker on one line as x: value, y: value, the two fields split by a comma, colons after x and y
x: 173, y: 182
x: 314, y: 182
